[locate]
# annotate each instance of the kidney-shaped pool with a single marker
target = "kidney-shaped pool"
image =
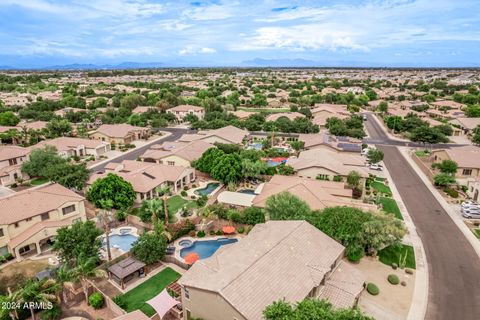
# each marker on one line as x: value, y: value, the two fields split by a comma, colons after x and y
x: 205, y: 248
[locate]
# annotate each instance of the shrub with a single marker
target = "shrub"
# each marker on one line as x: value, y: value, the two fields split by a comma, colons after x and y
x: 409, y: 271
x: 202, y: 201
x: 372, y: 289
x: 201, y: 234
x: 192, y: 233
x: 194, y: 185
x: 52, y: 314
x: 183, y: 193
x: 393, y: 279
x: 120, y: 301
x: 185, y: 188
x: 253, y: 216
x: 219, y: 233
x: 354, y: 254
x: 394, y: 266
x: 451, y: 192
x: 464, y: 188
x: 96, y: 300
x: 235, y: 216
x: 241, y: 230
x: 212, y: 232
x: 14, y: 185
x: 403, y: 283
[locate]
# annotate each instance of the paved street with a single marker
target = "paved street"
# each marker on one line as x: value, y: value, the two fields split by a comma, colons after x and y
x: 454, y: 266
x: 176, y: 133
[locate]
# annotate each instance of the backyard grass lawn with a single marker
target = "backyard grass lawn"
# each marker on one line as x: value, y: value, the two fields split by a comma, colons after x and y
x: 392, y: 254
x: 135, y: 298
x: 380, y: 187
x: 38, y: 181
x: 422, y: 153
x: 390, y: 206
x: 175, y: 203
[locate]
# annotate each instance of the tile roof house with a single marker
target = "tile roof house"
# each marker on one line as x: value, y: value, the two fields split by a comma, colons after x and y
x: 327, y: 164
x: 289, y: 115
x: 29, y: 218
x: 466, y: 124
x: 68, y: 146
x: 176, y: 153
x: 317, y: 194
x: 466, y: 157
x: 11, y: 159
x: 321, y: 112
x: 119, y: 133
x: 228, y: 134
x: 146, y: 177
x: 324, y: 140
x: 289, y: 260
x: 183, y: 110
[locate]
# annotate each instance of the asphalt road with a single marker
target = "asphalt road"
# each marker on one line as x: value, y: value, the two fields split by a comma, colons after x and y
x: 133, y: 155
x: 453, y: 265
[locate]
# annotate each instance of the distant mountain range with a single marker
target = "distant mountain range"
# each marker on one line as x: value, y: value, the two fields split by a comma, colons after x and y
x: 89, y: 66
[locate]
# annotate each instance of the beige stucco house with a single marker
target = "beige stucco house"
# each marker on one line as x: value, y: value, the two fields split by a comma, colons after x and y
x: 119, y: 133
x: 176, y: 153
x: 11, y: 159
x: 289, y: 260
x: 68, y: 147
x: 183, y: 110
x: 146, y: 177
x: 228, y: 134
x: 466, y: 157
x: 29, y: 219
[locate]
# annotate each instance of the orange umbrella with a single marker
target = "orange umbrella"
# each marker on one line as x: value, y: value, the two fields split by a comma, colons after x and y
x: 228, y: 229
x: 191, y: 258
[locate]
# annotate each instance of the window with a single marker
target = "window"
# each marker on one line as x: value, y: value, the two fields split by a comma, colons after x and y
x: 16, y: 224
x: 171, y: 163
x: 3, y: 251
x: 467, y: 172
x: 187, y: 294
x: 28, y: 219
x: 12, y: 161
x: 45, y: 216
x: 68, y: 209
x: 1, y: 232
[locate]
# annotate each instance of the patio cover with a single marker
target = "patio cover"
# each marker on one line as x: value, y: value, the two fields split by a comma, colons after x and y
x: 162, y: 303
x: 126, y: 267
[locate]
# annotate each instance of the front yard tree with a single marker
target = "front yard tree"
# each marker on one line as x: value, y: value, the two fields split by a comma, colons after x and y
x: 476, y: 135
x: 113, y: 188
x: 448, y: 166
x: 286, y: 206
x: 353, y: 179
x: 375, y: 155
x: 382, y: 107
x: 59, y: 128
x: 41, y: 160
x: 443, y: 180
x: 81, y: 239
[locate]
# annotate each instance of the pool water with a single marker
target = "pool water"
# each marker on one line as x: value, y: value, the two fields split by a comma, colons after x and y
x: 205, y: 248
x: 208, y: 189
x: 247, y: 191
x: 255, y: 146
x: 124, y: 242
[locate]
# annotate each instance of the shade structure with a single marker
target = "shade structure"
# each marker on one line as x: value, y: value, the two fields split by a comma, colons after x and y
x: 191, y: 258
x: 228, y: 229
x: 162, y: 303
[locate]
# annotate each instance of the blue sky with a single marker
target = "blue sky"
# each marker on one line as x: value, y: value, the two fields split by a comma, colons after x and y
x: 36, y: 33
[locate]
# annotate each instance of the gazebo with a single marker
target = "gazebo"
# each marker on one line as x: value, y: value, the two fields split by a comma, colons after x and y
x: 125, y: 270
x: 162, y: 303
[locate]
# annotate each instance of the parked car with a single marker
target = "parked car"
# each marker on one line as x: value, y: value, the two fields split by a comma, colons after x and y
x: 470, y: 204
x: 365, y: 151
x: 364, y: 118
x: 471, y: 215
x: 376, y: 166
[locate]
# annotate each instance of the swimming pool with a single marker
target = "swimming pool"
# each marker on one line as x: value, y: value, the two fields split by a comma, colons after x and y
x: 123, y: 242
x: 247, y: 191
x: 205, y: 248
x: 208, y: 189
x: 255, y: 146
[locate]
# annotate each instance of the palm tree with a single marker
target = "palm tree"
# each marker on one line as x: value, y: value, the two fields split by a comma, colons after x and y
x: 13, y: 298
x: 84, y: 270
x: 43, y: 292
x: 164, y: 192
x: 105, y: 216
x: 153, y: 206
x: 65, y: 277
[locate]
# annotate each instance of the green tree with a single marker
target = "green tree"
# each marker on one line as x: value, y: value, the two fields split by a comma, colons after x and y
x: 446, y: 129
x: 353, y: 179
x: 59, y: 128
x: 382, y: 107
x: 227, y: 168
x: 375, y: 155
x: 81, y: 239
x: 150, y: 246
x: 8, y: 118
x: 150, y: 210
x: 35, y: 291
x: 285, y: 170
x: 427, y: 135
x: 113, y: 188
x: 448, y: 166
x: 297, y: 145
x: 69, y: 175
x: 252, y: 169
x: 41, y: 160
x: 443, y: 180
x: 476, y: 135
x: 286, y: 206
x: 206, y: 161
x: 85, y: 269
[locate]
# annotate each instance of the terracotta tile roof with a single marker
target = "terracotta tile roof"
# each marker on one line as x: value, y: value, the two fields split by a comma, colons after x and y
x: 35, y: 201
x: 36, y: 228
x: 188, y: 151
x: 10, y: 152
x: 230, y: 133
x: 186, y: 108
x: 465, y: 157
x: 118, y: 130
x: 289, y: 115
x: 68, y: 143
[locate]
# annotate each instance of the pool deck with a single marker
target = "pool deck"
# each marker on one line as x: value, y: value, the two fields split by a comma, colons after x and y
x: 178, y: 247
x: 116, y: 252
x: 203, y: 185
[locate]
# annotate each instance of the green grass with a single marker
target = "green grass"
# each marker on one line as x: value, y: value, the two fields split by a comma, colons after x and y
x: 175, y: 203
x: 391, y: 254
x: 135, y: 298
x: 390, y: 206
x: 476, y: 232
x: 380, y: 187
x: 422, y: 153
x: 38, y: 181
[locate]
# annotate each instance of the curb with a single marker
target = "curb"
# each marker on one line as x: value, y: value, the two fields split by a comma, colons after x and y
x: 389, y: 135
x: 418, y: 305
x: 475, y: 243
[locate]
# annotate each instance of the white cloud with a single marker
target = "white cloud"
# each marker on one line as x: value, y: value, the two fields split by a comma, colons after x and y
x: 191, y: 50
x: 213, y: 12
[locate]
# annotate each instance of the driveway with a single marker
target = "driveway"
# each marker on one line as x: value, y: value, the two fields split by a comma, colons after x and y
x: 453, y: 265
